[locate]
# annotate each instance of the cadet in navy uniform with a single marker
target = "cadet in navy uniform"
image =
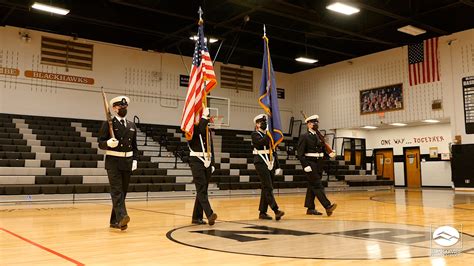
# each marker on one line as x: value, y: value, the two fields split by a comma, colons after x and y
x: 201, y: 169
x: 120, y: 160
x: 310, y: 153
x: 265, y: 167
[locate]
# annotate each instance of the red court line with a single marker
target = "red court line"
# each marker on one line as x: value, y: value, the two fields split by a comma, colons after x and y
x: 43, y: 247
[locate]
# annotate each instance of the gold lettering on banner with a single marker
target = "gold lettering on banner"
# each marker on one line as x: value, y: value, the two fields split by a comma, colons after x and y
x: 9, y: 71
x: 58, y: 77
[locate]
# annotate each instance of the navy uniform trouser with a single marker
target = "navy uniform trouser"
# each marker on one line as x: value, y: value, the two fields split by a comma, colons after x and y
x: 315, y: 187
x: 201, y: 177
x: 266, y: 178
x: 118, y: 180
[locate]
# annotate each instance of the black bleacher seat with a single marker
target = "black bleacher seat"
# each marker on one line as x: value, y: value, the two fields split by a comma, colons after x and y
x: 179, y: 187
x: 154, y: 187
x: 144, y: 179
x: 66, y: 189
x: 138, y: 187
x: 170, y: 179
x: 224, y: 186
x: 49, y: 189
x: 157, y: 179
x: 97, y: 188
x: 12, y: 163
x: 13, y: 189
x: 43, y: 179
x: 4, y: 135
x: 82, y: 188
x: 48, y: 163
x: 12, y: 141
x: 17, y: 155
x: 31, y: 189
x: 15, y: 148
x: 167, y: 187
x: 83, y: 164
x: 53, y: 171
x: 59, y: 179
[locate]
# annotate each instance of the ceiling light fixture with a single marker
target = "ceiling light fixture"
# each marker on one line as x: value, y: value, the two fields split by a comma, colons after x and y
x: 343, y: 8
x: 52, y: 9
x: 211, y: 40
x: 431, y: 121
x: 412, y: 30
x: 306, y: 60
x: 398, y: 124
x: 369, y: 127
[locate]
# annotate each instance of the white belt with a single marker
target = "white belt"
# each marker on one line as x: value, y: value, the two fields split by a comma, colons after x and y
x: 198, y: 154
x: 119, y: 153
x: 314, y: 154
x: 261, y: 151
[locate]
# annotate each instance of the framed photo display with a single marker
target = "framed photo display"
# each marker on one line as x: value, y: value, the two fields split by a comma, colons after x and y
x: 382, y: 99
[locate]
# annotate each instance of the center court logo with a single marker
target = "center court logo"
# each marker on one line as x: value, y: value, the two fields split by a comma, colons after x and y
x: 446, y: 236
x: 324, y: 239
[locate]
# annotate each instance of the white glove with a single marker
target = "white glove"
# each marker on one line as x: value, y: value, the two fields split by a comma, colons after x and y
x: 308, y: 169
x: 270, y: 167
x: 213, y: 169
x: 112, y: 142
x: 279, y: 171
x: 205, y: 113
x: 207, y: 163
x: 332, y: 154
x: 134, y: 165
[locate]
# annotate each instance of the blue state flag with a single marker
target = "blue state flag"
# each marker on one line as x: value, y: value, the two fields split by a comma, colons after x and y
x: 268, y: 99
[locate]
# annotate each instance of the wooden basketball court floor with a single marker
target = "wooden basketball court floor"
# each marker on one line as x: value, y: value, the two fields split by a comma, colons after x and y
x: 369, y: 228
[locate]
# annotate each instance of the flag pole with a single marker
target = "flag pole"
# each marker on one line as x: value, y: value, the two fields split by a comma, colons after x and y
x: 204, y: 102
x: 268, y: 87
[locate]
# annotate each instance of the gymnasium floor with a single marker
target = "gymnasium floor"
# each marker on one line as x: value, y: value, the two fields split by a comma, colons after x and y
x: 369, y: 228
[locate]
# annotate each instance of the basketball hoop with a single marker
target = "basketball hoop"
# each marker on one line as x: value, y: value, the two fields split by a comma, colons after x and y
x: 216, y: 121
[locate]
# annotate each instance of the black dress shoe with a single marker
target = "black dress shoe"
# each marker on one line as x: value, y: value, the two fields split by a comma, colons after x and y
x: 116, y: 226
x: 330, y: 209
x: 279, y: 214
x: 264, y: 216
x: 198, y: 221
x: 212, y: 219
x: 313, y: 212
x: 125, y: 220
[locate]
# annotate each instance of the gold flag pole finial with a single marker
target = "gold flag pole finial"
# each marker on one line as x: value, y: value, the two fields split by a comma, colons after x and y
x: 200, y: 14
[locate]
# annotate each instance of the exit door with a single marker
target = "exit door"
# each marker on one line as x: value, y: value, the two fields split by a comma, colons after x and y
x: 384, y: 163
x: 413, y: 167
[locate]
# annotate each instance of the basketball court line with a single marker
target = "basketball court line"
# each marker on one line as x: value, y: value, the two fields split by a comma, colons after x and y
x: 168, y: 235
x: 42, y: 247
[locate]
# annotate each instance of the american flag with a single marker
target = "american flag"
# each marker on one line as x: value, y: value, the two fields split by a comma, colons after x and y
x: 201, y: 81
x: 423, y: 65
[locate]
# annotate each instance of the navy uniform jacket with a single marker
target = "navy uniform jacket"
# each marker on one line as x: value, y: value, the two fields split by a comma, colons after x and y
x: 199, y: 130
x: 261, y: 141
x: 309, y: 143
x: 127, y: 137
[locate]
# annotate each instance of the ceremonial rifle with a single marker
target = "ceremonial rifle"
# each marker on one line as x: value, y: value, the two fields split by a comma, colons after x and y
x: 108, y: 115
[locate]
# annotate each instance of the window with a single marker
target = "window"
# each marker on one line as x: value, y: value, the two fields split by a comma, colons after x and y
x: 66, y: 53
x: 236, y: 78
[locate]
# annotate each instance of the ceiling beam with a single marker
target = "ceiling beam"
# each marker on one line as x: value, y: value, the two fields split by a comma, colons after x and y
x: 467, y: 2
x: 222, y: 25
x: 272, y: 10
x: 400, y: 18
x: 4, y: 19
x: 378, y: 27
